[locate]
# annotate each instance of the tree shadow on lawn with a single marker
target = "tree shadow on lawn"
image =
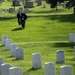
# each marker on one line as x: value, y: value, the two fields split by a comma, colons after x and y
x: 63, y: 18
x: 64, y: 44
x: 59, y: 17
x: 71, y: 59
x: 48, y: 12
x: 7, y: 18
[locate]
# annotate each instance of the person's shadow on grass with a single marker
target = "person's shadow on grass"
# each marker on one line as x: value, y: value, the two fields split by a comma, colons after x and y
x: 16, y: 29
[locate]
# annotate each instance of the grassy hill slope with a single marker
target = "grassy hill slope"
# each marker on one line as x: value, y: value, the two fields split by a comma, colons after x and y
x: 46, y: 32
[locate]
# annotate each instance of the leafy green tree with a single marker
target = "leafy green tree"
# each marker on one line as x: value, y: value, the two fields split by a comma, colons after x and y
x: 71, y: 4
x: 53, y: 3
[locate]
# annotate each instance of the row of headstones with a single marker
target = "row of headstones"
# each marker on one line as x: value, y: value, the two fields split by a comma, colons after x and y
x: 26, y: 10
x: 29, y: 4
x: 36, y: 57
x: 15, y: 51
x: 11, y: 10
x: 50, y: 69
x: 18, y: 52
x: 8, y: 69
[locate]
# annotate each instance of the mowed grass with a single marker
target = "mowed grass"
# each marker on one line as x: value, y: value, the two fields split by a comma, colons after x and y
x: 46, y: 32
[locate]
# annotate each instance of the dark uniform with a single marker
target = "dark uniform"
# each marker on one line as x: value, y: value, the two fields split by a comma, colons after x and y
x: 23, y: 19
x: 19, y: 18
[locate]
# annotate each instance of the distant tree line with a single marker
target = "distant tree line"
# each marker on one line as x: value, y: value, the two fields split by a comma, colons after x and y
x: 69, y: 4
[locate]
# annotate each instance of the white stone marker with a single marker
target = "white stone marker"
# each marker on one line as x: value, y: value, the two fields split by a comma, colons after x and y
x: 39, y: 2
x: 15, y: 71
x: 0, y: 10
x: 74, y: 50
x: 16, y: 3
x: 19, y: 53
x: 13, y: 49
x: 44, y: 5
x: 1, y: 62
x: 72, y: 37
x: 11, y: 10
x: 20, y: 9
x: 36, y: 61
x: 4, y: 37
x: 5, y: 69
x: 59, y: 56
x: 50, y: 68
x: 29, y: 4
x: 66, y: 70
x: 8, y: 43
x: 26, y: 10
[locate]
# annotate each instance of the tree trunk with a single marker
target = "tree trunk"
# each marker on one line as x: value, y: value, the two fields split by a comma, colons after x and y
x: 56, y: 8
x: 14, y: 5
x: 74, y: 10
x: 23, y: 1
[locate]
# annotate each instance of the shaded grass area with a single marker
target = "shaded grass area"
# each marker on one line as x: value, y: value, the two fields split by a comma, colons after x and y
x: 7, y: 18
x: 60, y: 18
x: 64, y: 44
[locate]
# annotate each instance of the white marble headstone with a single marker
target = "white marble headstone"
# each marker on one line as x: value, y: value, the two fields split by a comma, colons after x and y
x: 39, y: 2
x: 36, y: 61
x: 8, y: 43
x: 72, y: 37
x: 19, y: 53
x: 59, y: 56
x: 5, y: 69
x: 20, y: 9
x: 74, y: 50
x: 26, y: 10
x: 13, y: 49
x: 15, y: 71
x: 29, y: 4
x: 11, y: 10
x: 66, y: 70
x: 0, y: 10
x: 50, y: 68
x: 1, y: 62
x: 16, y: 3
x: 44, y: 5
x: 4, y: 37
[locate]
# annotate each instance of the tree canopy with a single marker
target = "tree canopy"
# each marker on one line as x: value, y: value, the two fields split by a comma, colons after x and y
x: 70, y: 4
x: 54, y: 2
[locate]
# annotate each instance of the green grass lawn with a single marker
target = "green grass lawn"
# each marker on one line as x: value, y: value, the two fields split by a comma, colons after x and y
x: 46, y: 32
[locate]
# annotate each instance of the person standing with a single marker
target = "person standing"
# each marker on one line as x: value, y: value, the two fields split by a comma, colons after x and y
x: 23, y: 19
x: 19, y: 17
